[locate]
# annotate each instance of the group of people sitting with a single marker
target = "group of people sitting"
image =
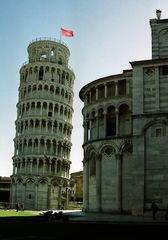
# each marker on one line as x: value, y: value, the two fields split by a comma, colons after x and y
x: 53, y: 216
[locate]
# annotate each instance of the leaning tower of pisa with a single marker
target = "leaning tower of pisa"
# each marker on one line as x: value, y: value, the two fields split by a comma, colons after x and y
x: 42, y: 143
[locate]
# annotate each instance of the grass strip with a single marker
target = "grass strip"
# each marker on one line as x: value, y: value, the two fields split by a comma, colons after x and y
x: 17, y: 214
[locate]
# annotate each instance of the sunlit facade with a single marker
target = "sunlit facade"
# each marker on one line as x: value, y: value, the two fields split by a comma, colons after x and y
x: 125, y: 121
x: 42, y: 144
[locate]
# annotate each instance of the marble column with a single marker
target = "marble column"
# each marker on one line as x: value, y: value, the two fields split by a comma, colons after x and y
x: 98, y: 182
x: 85, y: 184
x: 49, y: 197
x: 105, y: 123
x: 117, y: 121
x: 119, y: 182
x: 36, y: 196
x: 116, y: 88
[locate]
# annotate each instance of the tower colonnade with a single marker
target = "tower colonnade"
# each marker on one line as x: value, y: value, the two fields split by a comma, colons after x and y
x: 51, y: 166
x: 41, y: 146
x: 44, y: 108
x: 43, y: 126
x: 35, y: 72
x: 43, y: 91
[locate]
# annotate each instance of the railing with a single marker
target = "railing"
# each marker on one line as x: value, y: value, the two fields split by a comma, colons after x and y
x: 48, y: 39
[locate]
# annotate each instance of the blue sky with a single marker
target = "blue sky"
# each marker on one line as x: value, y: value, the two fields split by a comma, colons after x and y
x: 108, y: 34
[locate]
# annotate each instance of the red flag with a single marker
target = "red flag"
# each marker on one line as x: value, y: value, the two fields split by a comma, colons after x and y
x: 67, y: 33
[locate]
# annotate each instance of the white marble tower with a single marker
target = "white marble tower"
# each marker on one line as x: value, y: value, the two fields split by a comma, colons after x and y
x: 42, y: 144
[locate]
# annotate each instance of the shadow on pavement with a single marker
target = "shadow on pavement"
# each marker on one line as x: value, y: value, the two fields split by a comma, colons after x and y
x: 39, y: 227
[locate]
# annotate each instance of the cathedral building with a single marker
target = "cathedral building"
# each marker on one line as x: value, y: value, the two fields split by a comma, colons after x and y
x: 42, y: 144
x: 125, y: 120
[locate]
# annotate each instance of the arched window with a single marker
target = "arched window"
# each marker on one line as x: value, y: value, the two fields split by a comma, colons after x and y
x: 111, y: 122
x: 122, y: 87
x: 60, y: 61
x: 41, y: 73
x: 124, y: 120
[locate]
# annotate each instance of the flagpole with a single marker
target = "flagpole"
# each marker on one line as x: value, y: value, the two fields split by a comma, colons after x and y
x: 60, y: 36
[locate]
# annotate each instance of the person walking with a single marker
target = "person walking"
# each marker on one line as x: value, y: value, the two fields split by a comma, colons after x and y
x: 154, y: 208
x: 17, y: 207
